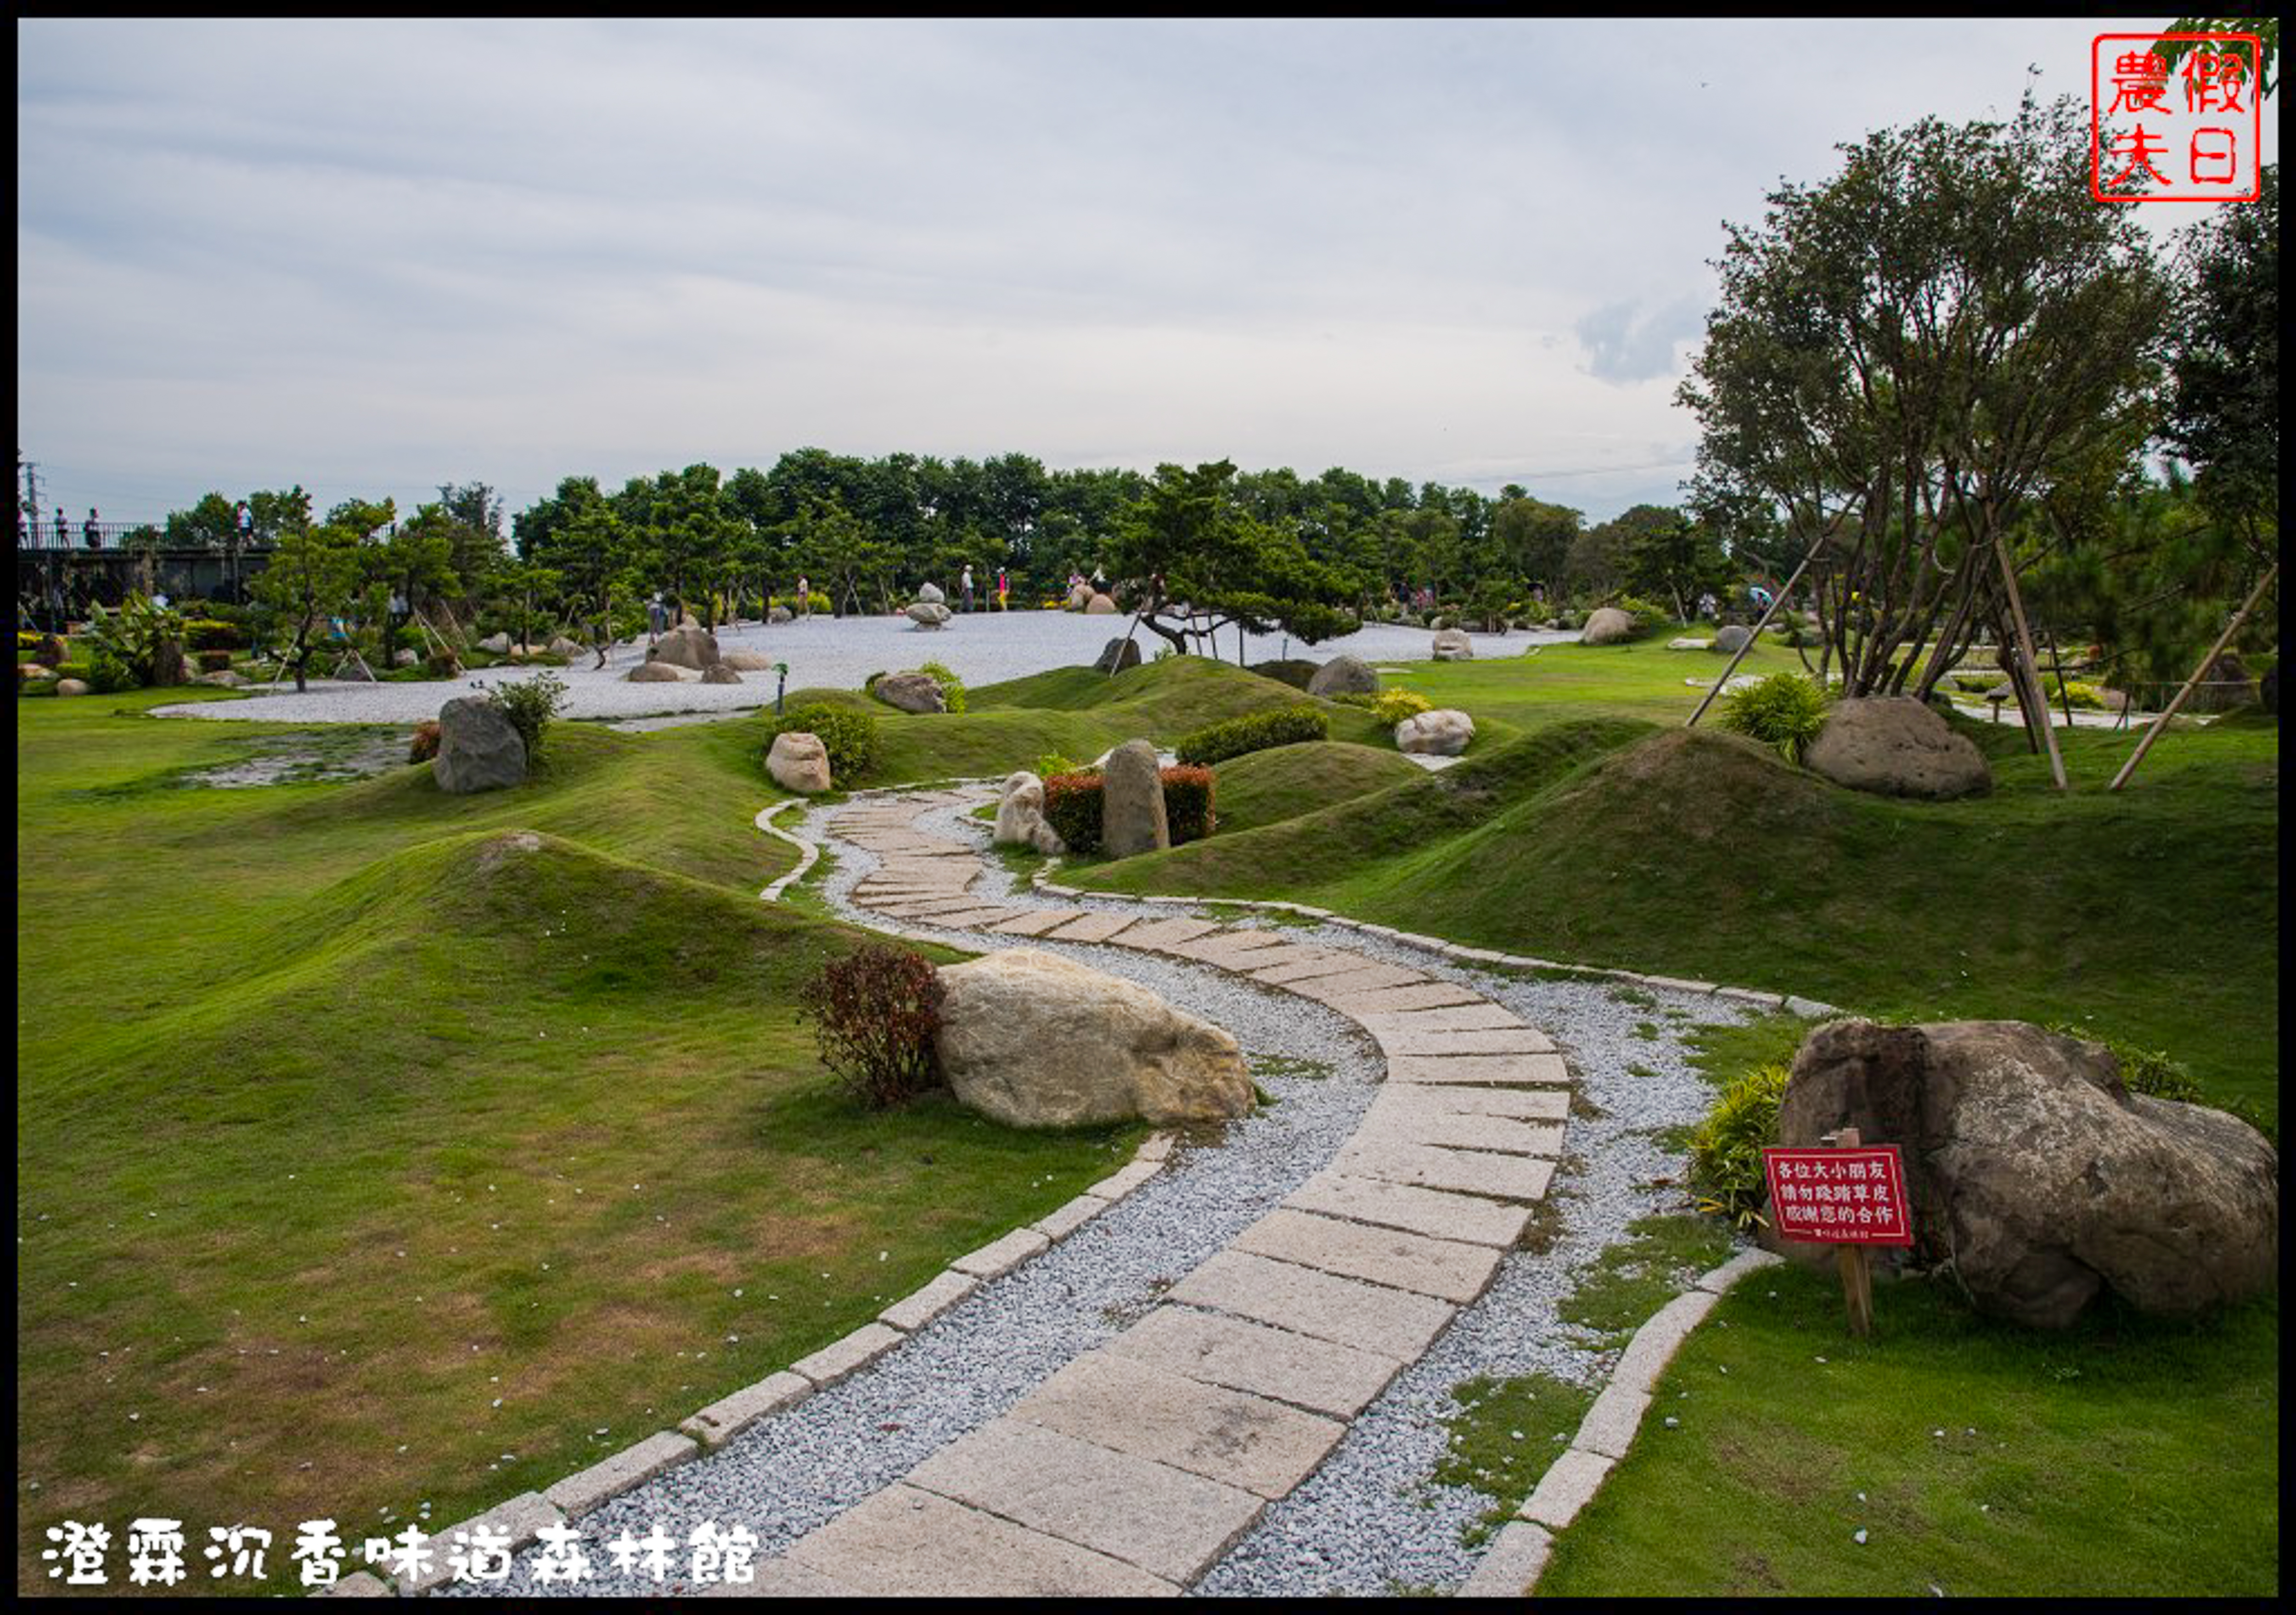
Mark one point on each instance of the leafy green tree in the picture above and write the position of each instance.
(1668, 557)
(1533, 537)
(212, 524)
(476, 544)
(2224, 407)
(1907, 357)
(312, 577)
(1196, 563)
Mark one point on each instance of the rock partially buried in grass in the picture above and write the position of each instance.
(478, 749)
(1344, 676)
(2038, 1175)
(1894, 745)
(71, 687)
(799, 761)
(911, 692)
(1020, 816)
(1117, 655)
(1607, 626)
(1033, 1040)
(1731, 637)
(1444, 732)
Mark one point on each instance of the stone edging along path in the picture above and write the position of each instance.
(1137, 1466)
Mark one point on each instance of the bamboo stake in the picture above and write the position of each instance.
(2161, 723)
(2032, 661)
(1777, 602)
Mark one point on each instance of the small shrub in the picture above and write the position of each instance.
(952, 688)
(1392, 706)
(215, 661)
(108, 671)
(1784, 710)
(850, 738)
(874, 1014)
(424, 746)
(442, 663)
(1187, 802)
(1257, 732)
(1725, 1150)
(206, 633)
(530, 704)
(1056, 762)
(1363, 699)
(1647, 614)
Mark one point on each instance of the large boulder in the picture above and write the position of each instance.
(1441, 733)
(799, 761)
(478, 749)
(2225, 687)
(1117, 655)
(927, 613)
(560, 646)
(1079, 597)
(651, 673)
(778, 615)
(931, 593)
(691, 647)
(718, 673)
(71, 687)
(1100, 606)
(1344, 676)
(1034, 1040)
(1895, 745)
(1132, 802)
(495, 644)
(1452, 645)
(2038, 1175)
(746, 662)
(911, 692)
(1607, 625)
(1731, 637)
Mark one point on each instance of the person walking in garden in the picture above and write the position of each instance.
(1004, 588)
(804, 597)
(657, 617)
(965, 583)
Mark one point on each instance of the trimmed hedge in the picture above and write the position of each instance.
(1255, 733)
(1073, 806)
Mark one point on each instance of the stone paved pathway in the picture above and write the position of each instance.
(1132, 1470)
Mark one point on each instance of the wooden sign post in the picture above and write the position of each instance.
(1850, 1194)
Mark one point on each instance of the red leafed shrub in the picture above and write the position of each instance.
(1073, 806)
(874, 1013)
(425, 744)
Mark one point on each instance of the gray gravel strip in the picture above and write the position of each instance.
(841, 653)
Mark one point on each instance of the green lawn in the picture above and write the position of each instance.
(359, 1147)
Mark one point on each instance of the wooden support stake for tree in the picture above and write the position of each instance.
(2057, 667)
(1856, 1266)
(1777, 603)
(2161, 723)
(2033, 702)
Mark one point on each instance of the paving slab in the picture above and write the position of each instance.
(1569, 1484)
(1406, 1123)
(1446, 1269)
(1332, 962)
(1036, 922)
(519, 1521)
(1116, 1185)
(780, 1578)
(1465, 1217)
(1512, 1565)
(975, 919)
(1166, 1521)
(358, 1584)
(1057, 1225)
(1457, 1099)
(1322, 1376)
(1426, 996)
(1369, 1317)
(1656, 1341)
(1234, 950)
(1098, 925)
(842, 1358)
(1500, 1069)
(1293, 953)
(928, 1301)
(1338, 991)
(1526, 1039)
(1509, 1177)
(1483, 1016)
(727, 1418)
(1003, 1256)
(905, 1542)
(1239, 1440)
(1610, 1425)
(594, 1488)
(1159, 934)
(916, 907)
(1809, 1009)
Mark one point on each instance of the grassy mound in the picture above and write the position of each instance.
(1282, 782)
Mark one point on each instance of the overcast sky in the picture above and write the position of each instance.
(375, 256)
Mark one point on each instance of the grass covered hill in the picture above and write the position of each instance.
(375, 1146)
(1285, 781)
(2151, 915)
